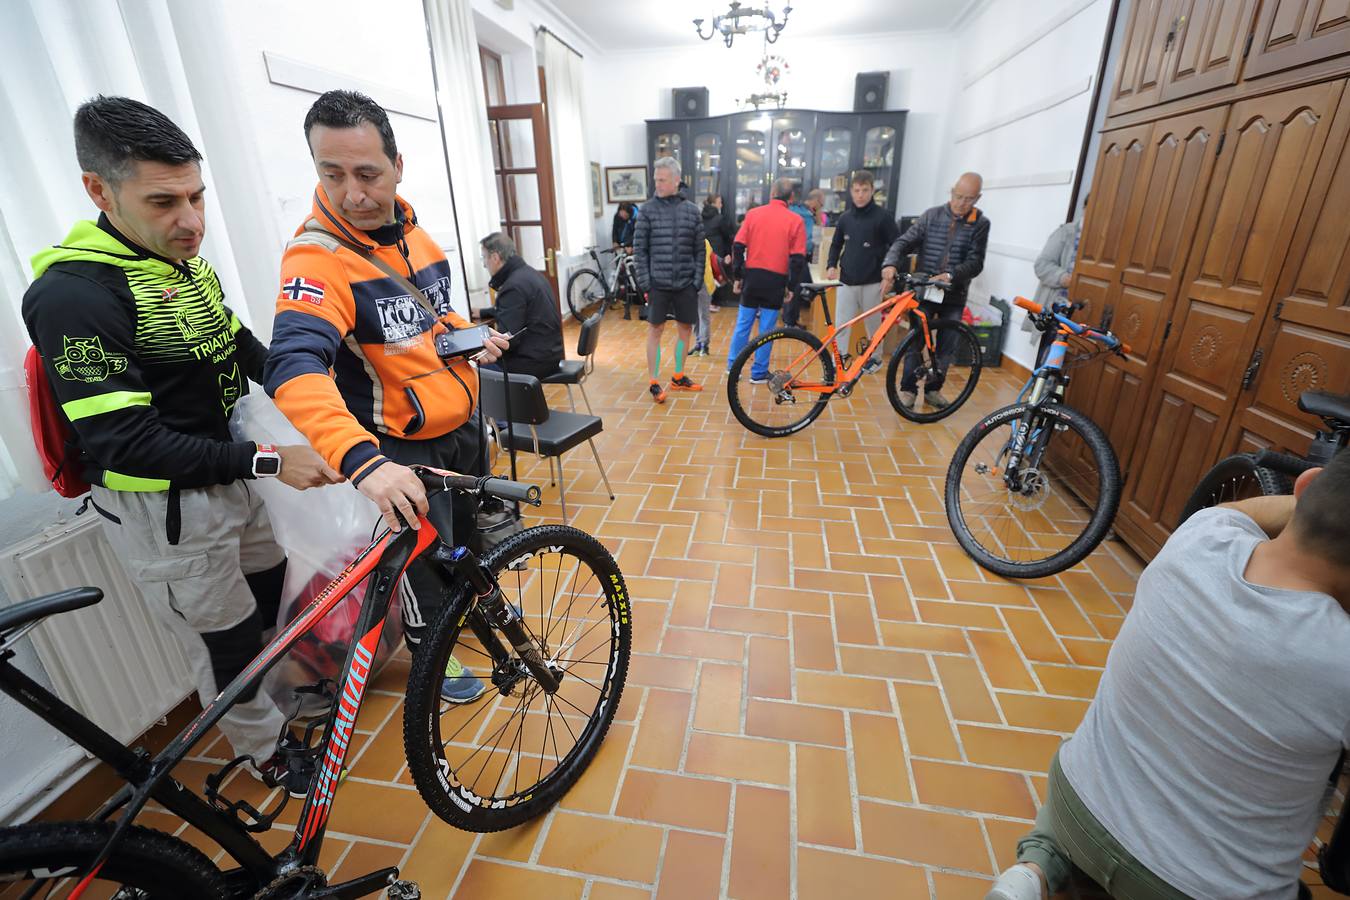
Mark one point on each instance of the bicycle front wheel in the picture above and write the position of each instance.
(1026, 519)
(47, 860)
(780, 382)
(511, 753)
(584, 290)
(1235, 478)
(941, 381)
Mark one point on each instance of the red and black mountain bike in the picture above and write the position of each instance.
(548, 627)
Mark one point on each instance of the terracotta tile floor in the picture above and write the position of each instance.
(826, 696)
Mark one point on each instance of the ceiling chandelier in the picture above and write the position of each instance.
(739, 20)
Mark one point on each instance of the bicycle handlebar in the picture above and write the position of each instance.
(1043, 318)
(502, 488)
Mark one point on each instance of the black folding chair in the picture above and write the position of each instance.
(534, 428)
(576, 371)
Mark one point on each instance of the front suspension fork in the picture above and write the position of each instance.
(492, 611)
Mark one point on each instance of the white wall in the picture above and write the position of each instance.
(1023, 95)
(628, 87)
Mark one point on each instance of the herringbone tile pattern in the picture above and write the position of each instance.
(827, 698)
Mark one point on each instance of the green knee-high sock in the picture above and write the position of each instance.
(656, 366)
(679, 358)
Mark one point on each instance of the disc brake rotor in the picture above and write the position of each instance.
(1034, 493)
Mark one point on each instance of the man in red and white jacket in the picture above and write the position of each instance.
(769, 262)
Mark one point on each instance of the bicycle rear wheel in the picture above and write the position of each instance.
(1037, 525)
(797, 381)
(46, 860)
(585, 289)
(1233, 478)
(954, 340)
(510, 754)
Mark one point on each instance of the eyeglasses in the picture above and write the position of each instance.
(965, 198)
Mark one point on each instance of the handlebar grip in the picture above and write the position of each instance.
(1030, 306)
(1283, 462)
(506, 489)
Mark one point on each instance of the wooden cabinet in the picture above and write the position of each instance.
(1305, 339)
(1208, 38)
(1291, 33)
(738, 156)
(1253, 204)
(1139, 71)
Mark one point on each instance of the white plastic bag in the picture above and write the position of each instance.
(321, 530)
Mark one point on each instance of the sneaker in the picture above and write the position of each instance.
(291, 767)
(698, 351)
(1017, 883)
(459, 686)
(759, 379)
(907, 399)
(871, 365)
(684, 383)
(936, 400)
(713, 307)
(658, 395)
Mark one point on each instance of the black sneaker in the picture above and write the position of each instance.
(871, 365)
(290, 767)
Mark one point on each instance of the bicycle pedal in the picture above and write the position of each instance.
(404, 890)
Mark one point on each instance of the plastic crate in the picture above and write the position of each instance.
(990, 338)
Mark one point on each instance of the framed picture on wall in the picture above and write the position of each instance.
(625, 183)
(597, 196)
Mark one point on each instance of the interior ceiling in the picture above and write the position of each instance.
(644, 24)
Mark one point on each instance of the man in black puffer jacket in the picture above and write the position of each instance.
(669, 253)
(950, 240)
(525, 302)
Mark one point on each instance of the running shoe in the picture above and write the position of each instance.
(684, 383)
(459, 686)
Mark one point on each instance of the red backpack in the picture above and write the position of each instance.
(51, 432)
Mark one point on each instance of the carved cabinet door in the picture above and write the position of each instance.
(1305, 340)
(1206, 52)
(1262, 178)
(1143, 56)
(1293, 33)
(1159, 225)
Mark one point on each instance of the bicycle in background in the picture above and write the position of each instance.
(1013, 484)
(590, 288)
(555, 663)
(791, 375)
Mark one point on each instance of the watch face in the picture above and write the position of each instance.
(266, 465)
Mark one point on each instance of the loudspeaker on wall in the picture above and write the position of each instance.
(869, 91)
(689, 103)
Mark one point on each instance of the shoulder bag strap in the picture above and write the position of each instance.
(315, 233)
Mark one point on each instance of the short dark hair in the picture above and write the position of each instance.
(114, 133)
(1321, 518)
(348, 109)
(499, 244)
(862, 176)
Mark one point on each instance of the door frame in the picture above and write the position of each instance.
(543, 172)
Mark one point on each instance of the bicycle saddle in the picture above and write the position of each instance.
(1326, 405)
(819, 287)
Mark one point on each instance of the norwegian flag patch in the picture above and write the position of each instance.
(299, 288)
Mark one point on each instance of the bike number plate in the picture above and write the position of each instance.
(932, 293)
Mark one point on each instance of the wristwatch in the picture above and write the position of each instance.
(266, 462)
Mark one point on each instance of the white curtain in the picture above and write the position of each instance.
(463, 104)
(564, 83)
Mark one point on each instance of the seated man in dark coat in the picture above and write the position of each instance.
(525, 301)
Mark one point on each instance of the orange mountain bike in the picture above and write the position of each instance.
(792, 376)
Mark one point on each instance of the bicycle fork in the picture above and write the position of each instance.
(493, 611)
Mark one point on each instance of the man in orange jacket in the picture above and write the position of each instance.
(348, 335)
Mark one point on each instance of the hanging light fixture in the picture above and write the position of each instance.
(745, 20)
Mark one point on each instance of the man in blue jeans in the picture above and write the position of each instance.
(769, 262)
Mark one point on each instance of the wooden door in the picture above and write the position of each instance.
(1206, 52)
(1305, 342)
(522, 160)
(1160, 221)
(1258, 189)
(1143, 50)
(1293, 33)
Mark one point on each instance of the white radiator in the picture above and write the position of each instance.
(111, 661)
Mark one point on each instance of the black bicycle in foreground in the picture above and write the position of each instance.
(549, 628)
